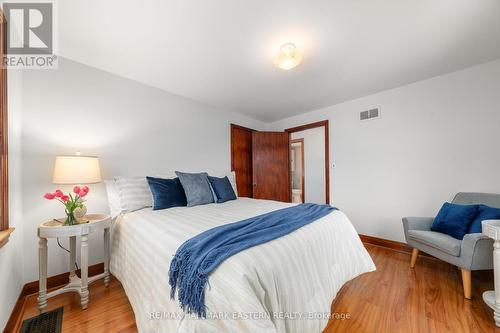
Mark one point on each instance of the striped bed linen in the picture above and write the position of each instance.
(134, 193)
(273, 287)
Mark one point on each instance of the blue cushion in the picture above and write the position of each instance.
(484, 213)
(167, 193)
(454, 220)
(222, 188)
(197, 188)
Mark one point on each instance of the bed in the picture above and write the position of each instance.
(285, 285)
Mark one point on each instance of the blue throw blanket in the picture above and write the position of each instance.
(199, 256)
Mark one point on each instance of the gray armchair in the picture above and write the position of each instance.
(474, 252)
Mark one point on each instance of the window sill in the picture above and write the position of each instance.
(4, 236)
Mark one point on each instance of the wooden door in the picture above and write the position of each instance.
(271, 165)
(241, 158)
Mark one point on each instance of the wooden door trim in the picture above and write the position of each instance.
(322, 123)
(242, 127)
(307, 126)
(4, 145)
(303, 166)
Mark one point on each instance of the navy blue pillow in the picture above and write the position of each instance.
(167, 193)
(222, 188)
(454, 220)
(484, 213)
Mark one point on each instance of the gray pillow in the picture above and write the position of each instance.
(197, 188)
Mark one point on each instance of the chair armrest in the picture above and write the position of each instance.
(472, 239)
(417, 223)
(477, 249)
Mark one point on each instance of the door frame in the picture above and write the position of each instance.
(301, 141)
(322, 123)
(4, 145)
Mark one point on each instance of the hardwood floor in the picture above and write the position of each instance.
(108, 311)
(395, 298)
(428, 298)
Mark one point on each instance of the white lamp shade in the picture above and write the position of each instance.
(76, 170)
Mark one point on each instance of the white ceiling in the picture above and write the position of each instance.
(221, 52)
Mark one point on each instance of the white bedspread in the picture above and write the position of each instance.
(286, 285)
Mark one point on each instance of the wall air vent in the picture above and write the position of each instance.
(369, 114)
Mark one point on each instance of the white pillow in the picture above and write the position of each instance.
(114, 202)
(164, 176)
(134, 193)
(232, 179)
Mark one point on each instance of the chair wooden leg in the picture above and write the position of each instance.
(467, 283)
(414, 255)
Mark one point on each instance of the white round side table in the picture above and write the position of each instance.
(56, 229)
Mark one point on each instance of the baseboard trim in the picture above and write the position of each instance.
(15, 317)
(30, 288)
(390, 244)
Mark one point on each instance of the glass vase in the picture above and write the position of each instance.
(70, 219)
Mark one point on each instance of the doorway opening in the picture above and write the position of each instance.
(263, 166)
(297, 170)
(313, 183)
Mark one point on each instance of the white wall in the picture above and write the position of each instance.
(11, 255)
(314, 164)
(434, 138)
(134, 128)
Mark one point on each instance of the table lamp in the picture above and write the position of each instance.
(74, 170)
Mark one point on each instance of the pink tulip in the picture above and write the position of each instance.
(58, 193)
(49, 196)
(84, 190)
(65, 198)
(76, 189)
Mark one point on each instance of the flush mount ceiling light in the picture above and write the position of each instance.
(288, 56)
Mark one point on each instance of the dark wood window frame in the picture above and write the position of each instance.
(5, 231)
(323, 123)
